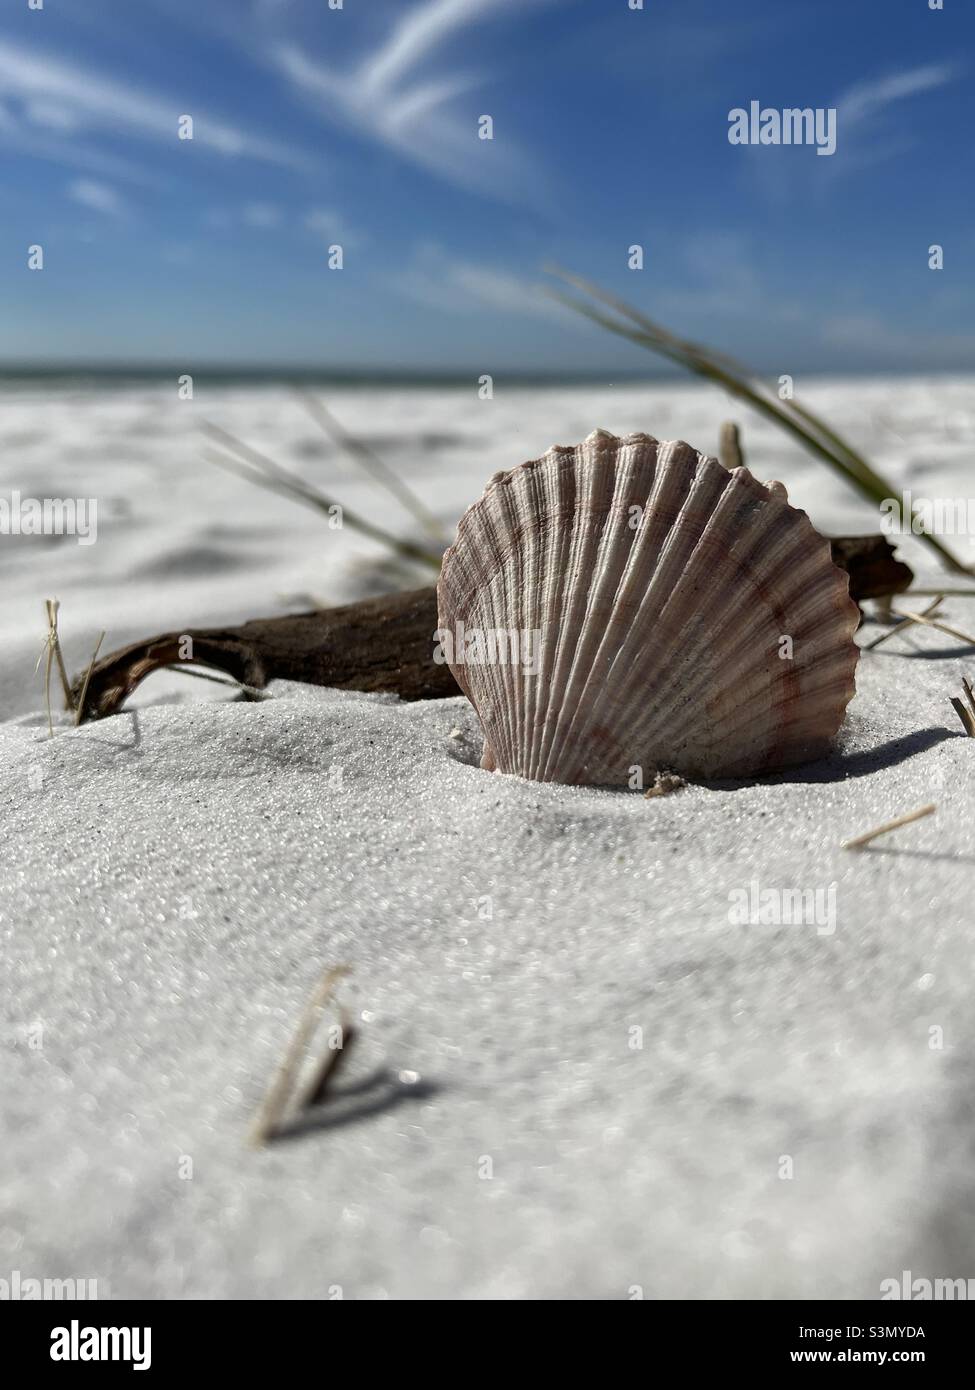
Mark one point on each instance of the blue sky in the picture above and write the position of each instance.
(358, 126)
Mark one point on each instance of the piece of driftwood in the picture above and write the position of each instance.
(873, 568)
(380, 644)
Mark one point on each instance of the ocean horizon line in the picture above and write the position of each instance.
(285, 375)
(111, 373)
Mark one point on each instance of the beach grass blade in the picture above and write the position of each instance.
(812, 432)
(369, 460)
(248, 463)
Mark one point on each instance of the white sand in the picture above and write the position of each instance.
(174, 881)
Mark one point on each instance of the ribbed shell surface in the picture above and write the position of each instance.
(683, 617)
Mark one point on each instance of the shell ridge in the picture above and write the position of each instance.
(669, 492)
(634, 479)
(710, 588)
(589, 524)
(688, 497)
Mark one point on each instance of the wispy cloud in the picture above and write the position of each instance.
(869, 98)
(421, 33)
(721, 268)
(879, 339)
(78, 154)
(396, 96)
(50, 115)
(868, 134)
(439, 281)
(331, 226)
(60, 96)
(719, 275)
(99, 197)
(262, 216)
(323, 220)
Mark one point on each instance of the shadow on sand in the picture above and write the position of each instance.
(380, 1091)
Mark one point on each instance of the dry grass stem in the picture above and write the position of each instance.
(941, 627)
(369, 460)
(275, 1103)
(965, 715)
(906, 619)
(945, 593)
(965, 712)
(812, 432)
(251, 691)
(53, 608)
(262, 471)
(969, 694)
(84, 688)
(862, 840)
(51, 650)
(324, 1074)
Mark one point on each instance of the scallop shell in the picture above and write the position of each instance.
(626, 603)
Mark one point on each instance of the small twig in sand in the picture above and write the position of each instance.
(275, 1103)
(53, 607)
(46, 651)
(729, 446)
(939, 627)
(944, 593)
(52, 650)
(329, 1065)
(969, 693)
(84, 688)
(966, 713)
(862, 840)
(905, 620)
(251, 691)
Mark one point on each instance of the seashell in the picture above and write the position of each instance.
(626, 603)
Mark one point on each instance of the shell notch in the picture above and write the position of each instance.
(634, 604)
